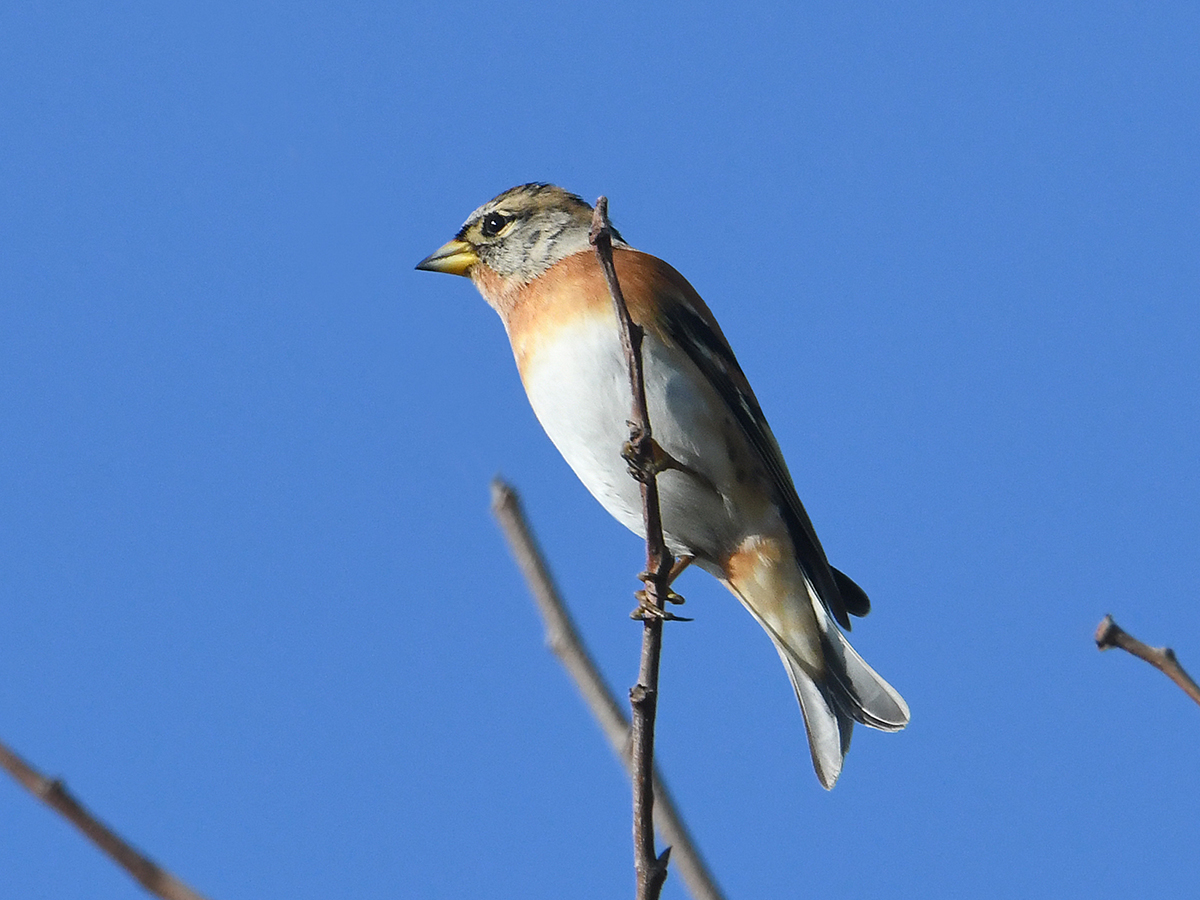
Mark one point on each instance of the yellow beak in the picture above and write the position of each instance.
(453, 258)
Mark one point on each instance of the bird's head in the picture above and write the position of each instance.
(518, 235)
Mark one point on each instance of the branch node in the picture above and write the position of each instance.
(639, 694)
(657, 875)
(52, 789)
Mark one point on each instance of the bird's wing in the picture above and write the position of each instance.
(685, 319)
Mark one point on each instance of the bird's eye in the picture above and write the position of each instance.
(493, 224)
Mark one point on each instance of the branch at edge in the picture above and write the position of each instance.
(54, 794)
(1109, 634)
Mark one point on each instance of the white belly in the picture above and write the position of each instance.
(579, 388)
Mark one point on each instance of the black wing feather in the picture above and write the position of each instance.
(715, 360)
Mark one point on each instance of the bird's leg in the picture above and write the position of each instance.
(647, 610)
(647, 459)
(677, 568)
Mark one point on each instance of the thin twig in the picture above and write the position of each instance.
(1109, 634)
(651, 869)
(53, 793)
(565, 642)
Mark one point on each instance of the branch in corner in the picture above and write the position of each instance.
(53, 793)
(1109, 634)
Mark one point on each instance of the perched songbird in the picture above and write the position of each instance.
(728, 502)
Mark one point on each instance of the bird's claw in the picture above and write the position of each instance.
(672, 597)
(645, 458)
(640, 463)
(649, 610)
(645, 463)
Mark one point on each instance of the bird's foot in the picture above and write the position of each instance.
(672, 597)
(647, 609)
(646, 459)
(677, 569)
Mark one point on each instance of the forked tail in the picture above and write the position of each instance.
(834, 685)
(848, 691)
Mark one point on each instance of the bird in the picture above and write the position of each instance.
(728, 503)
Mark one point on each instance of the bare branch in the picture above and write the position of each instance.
(1109, 634)
(564, 640)
(651, 869)
(54, 794)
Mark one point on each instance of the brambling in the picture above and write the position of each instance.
(728, 502)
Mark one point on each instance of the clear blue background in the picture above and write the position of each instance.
(252, 604)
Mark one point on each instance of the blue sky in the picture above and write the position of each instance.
(255, 610)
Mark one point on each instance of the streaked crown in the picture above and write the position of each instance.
(529, 228)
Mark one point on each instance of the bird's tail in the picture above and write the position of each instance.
(834, 685)
(848, 691)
